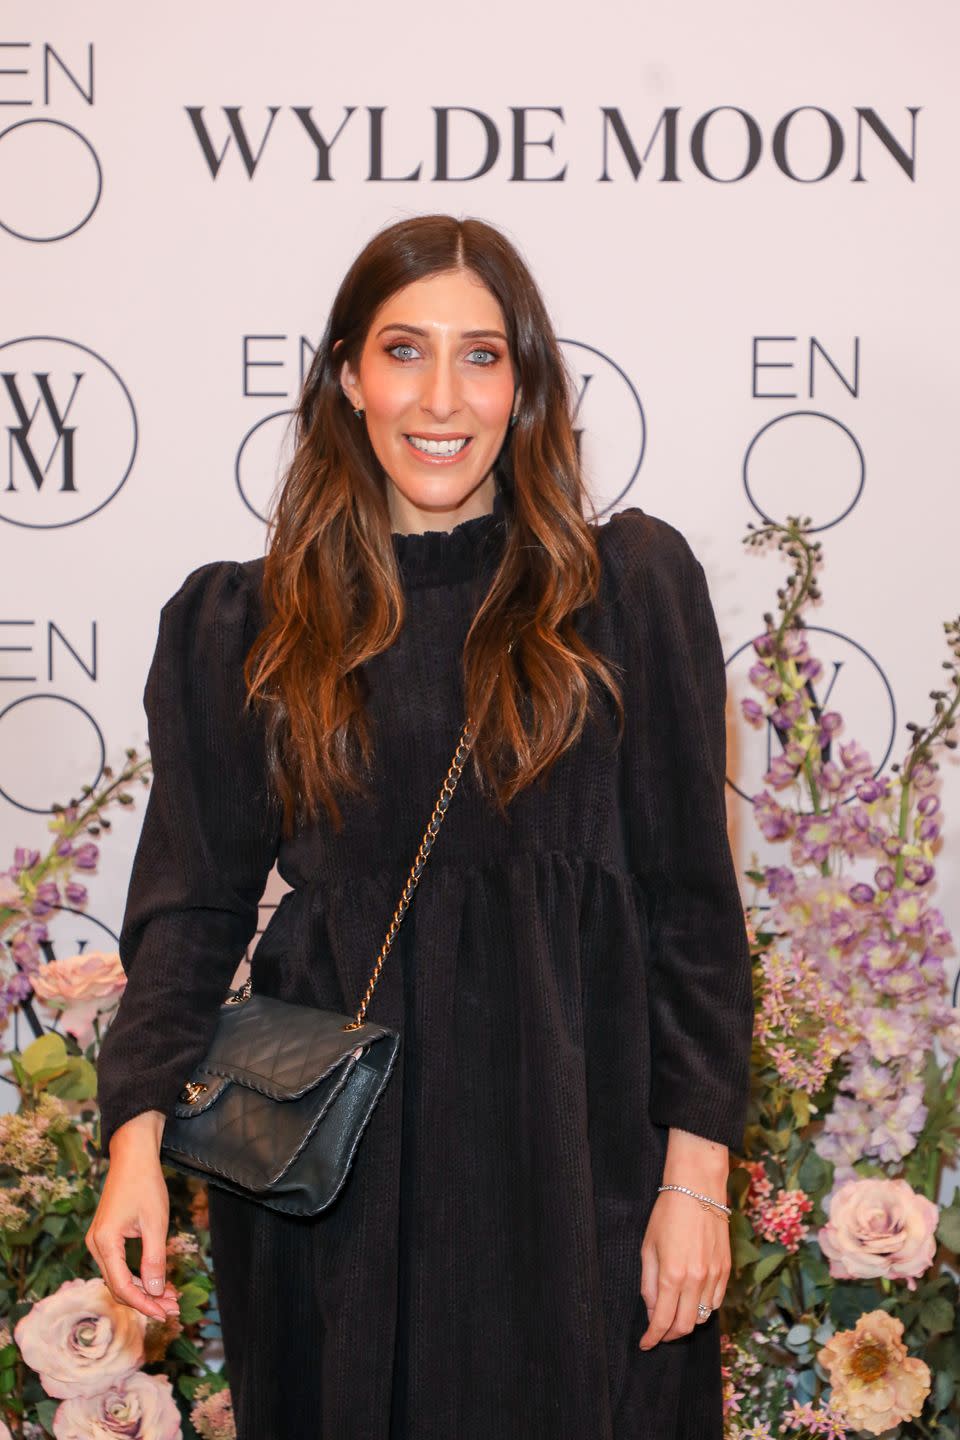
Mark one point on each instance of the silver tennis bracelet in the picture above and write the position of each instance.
(704, 1199)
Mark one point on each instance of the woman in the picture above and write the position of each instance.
(572, 982)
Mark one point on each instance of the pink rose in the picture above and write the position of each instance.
(80, 1340)
(879, 1228)
(78, 986)
(140, 1407)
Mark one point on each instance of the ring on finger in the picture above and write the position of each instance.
(703, 1313)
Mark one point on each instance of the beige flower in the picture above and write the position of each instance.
(79, 1340)
(879, 1227)
(80, 986)
(199, 1208)
(140, 1407)
(159, 1335)
(876, 1384)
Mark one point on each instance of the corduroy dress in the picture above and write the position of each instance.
(568, 983)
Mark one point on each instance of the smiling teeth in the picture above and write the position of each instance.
(437, 447)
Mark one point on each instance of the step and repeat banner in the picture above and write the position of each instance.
(744, 224)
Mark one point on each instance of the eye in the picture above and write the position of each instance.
(482, 350)
(402, 345)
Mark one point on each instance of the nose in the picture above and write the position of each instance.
(441, 389)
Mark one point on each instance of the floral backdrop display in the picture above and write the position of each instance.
(842, 1315)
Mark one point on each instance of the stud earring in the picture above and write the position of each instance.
(358, 413)
(513, 418)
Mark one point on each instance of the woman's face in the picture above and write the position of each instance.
(436, 384)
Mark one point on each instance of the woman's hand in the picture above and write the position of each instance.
(685, 1256)
(135, 1202)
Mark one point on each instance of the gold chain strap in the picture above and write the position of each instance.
(413, 879)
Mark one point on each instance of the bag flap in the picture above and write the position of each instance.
(281, 1049)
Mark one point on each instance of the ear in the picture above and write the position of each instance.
(350, 384)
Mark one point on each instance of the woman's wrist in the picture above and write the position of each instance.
(695, 1161)
(142, 1131)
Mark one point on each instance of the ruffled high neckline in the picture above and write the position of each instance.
(443, 557)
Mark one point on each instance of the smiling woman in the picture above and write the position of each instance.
(572, 983)
(438, 396)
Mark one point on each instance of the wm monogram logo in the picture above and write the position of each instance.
(68, 432)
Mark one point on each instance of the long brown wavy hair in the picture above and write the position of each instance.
(331, 586)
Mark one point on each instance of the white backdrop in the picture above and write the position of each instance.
(744, 222)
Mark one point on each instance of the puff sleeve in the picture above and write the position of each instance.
(700, 987)
(208, 841)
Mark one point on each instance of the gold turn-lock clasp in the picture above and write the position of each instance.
(192, 1091)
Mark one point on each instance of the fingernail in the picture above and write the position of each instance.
(155, 1286)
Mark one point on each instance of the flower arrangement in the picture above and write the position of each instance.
(74, 1363)
(842, 1313)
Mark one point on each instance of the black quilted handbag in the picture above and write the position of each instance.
(276, 1108)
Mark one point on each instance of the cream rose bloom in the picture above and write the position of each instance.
(80, 1340)
(875, 1383)
(79, 987)
(879, 1228)
(140, 1407)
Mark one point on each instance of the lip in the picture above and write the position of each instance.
(432, 435)
(439, 459)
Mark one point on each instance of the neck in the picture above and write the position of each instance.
(407, 518)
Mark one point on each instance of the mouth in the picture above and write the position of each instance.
(438, 450)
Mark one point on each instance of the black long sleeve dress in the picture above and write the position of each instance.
(568, 984)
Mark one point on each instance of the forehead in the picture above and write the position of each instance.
(451, 301)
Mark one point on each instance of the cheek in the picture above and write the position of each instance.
(387, 392)
(491, 400)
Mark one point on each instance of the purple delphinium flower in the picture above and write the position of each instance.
(85, 856)
(46, 898)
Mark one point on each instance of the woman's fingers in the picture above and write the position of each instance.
(153, 1258)
(134, 1203)
(109, 1251)
(687, 1301)
(682, 1266)
(662, 1313)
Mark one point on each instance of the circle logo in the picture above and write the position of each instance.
(69, 432)
(45, 742)
(609, 423)
(50, 180)
(847, 668)
(263, 459)
(804, 463)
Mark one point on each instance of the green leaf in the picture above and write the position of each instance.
(78, 1082)
(73, 1151)
(937, 1315)
(744, 1251)
(766, 1265)
(184, 1349)
(46, 1053)
(849, 1302)
(948, 1230)
(944, 1389)
(46, 1409)
(797, 1336)
(814, 1174)
(800, 1105)
(193, 1294)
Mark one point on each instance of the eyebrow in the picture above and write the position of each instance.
(467, 334)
